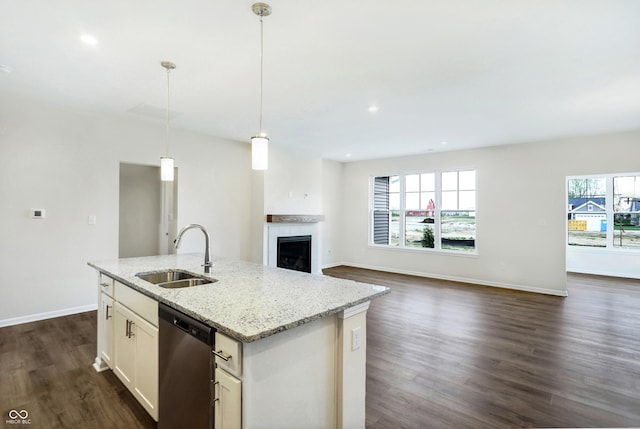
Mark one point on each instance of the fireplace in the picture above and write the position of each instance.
(293, 227)
(294, 253)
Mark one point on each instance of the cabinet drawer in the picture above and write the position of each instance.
(106, 284)
(144, 306)
(232, 351)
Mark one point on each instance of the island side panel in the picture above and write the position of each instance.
(352, 367)
(290, 378)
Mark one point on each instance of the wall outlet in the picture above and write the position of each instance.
(356, 339)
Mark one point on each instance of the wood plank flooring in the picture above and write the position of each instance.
(439, 355)
(45, 369)
(447, 355)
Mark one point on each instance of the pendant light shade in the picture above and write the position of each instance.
(260, 143)
(166, 169)
(166, 162)
(259, 153)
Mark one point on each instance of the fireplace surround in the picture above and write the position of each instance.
(288, 228)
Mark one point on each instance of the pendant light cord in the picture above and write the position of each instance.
(261, 72)
(168, 92)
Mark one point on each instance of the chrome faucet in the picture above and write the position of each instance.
(207, 259)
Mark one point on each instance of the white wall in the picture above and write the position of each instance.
(293, 183)
(330, 229)
(521, 209)
(67, 162)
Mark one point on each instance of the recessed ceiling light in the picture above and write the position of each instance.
(5, 69)
(347, 155)
(373, 109)
(89, 40)
(444, 143)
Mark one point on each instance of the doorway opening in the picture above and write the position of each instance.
(147, 213)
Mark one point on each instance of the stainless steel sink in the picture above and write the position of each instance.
(174, 279)
(185, 283)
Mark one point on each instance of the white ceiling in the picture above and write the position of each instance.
(467, 72)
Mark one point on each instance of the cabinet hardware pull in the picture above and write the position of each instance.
(221, 355)
(107, 312)
(216, 397)
(126, 329)
(104, 284)
(131, 325)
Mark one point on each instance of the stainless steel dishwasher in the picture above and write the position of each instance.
(186, 371)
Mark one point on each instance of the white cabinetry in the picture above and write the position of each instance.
(125, 347)
(106, 313)
(228, 401)
(104, 359)
(227, 388)
(135, 357)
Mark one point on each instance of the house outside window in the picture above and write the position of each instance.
(604, 211)
(432, 210)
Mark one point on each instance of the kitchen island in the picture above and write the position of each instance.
(301, 338)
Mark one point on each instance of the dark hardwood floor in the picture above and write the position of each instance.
(45, 369)
(447, 355)
(439, 355)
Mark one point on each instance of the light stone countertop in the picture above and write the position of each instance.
(248, 301)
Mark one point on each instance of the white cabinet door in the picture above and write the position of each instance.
(136, 357)
(146, 365)
(228, 401)
(124, 346)
(107, 316)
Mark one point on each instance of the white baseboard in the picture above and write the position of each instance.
(598, 272)
(332, 265)
(47, 315)
(523, 288)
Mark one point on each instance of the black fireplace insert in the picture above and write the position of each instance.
(294, 253)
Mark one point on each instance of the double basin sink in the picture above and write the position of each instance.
(173, 279)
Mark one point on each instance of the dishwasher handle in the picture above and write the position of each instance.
(187, 324)
(178, 322)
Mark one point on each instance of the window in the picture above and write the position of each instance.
(626, 194)
(425, 210)
(587, 211)
(458, 216)
(419, 212)
(604, 211)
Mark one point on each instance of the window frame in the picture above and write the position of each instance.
(609, 212)
(437, 225)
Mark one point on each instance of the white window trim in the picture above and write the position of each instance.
(437, 249)
(608, 210)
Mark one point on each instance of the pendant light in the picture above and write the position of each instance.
(166, 162)
(260, 143)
